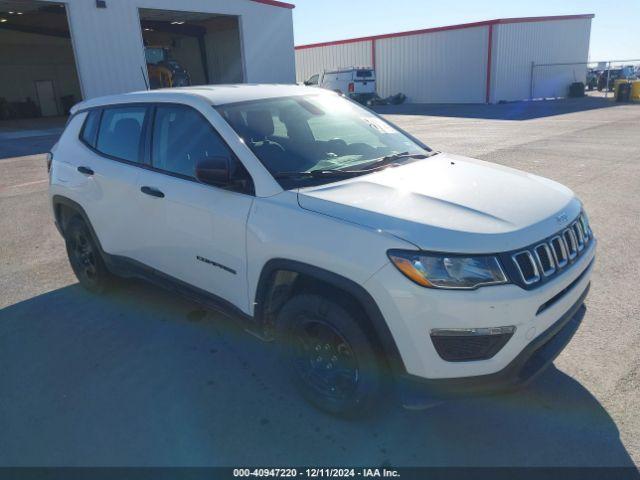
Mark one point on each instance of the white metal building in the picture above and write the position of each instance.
(78, 49)
(482, 62)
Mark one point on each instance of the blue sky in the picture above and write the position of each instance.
(615, 32)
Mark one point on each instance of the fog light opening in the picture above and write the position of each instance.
(469, 344)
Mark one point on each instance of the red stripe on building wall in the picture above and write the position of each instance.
(544, 19)
(446, 28)
(373, 54)
(489, 54)
(275, 3)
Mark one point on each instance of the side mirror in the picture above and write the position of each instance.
(213, 171)
(307, 82)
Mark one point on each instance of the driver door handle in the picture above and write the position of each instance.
(85, 170)
(154, 192)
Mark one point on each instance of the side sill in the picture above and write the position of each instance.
(127, 267)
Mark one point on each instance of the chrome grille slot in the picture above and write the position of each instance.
(559, 250)
(571, 243)
(577, 229)
(545, 259)
(527, 267)
(585, 227)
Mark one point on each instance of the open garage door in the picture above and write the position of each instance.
(191, 48)
(39, 75)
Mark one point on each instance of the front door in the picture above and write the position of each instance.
(196, 231)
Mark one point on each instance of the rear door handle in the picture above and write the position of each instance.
(154, 192)
(85, 170)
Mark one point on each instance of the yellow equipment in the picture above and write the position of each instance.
(163, 70)
(616, 86)
(159, 76)
(635, 91)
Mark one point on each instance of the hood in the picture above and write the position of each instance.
(450, 203)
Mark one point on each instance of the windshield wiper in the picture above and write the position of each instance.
(372, 166)
(388, 159)
(320, 173)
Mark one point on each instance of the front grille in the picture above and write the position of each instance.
(534, 265)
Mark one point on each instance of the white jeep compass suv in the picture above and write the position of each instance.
(372, 260)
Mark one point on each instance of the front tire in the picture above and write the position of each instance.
(328, 356)
(85, 258)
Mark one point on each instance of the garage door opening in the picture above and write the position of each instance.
(191, 48)
(39, 75)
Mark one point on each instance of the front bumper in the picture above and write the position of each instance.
(533, 360)
(412, 312)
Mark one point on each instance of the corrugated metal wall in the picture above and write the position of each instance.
(440, 67)
(516, 45)
(109, 50)
(450, 65)
(314, 60)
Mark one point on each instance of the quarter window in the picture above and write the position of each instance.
(120, 132)
(181, 138)
(90, 128)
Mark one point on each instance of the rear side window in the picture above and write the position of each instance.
(90, 128)
(121, 131)
(182, 137)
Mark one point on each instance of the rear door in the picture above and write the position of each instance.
(194, 232)
(364, 80)
(109, 166)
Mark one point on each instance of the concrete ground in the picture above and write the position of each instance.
(139, 377)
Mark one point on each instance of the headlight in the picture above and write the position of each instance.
(436, 270)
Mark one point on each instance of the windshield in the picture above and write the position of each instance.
(314, 139)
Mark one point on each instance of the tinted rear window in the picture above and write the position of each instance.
(90, 128)
(364, 73)
(120, 132)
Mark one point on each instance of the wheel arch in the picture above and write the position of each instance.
(363, 299)
(64, 209)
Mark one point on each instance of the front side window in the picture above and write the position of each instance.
(317, 138)
(181, 138)
(120, 132)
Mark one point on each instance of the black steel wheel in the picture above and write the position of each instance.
(328, 356)
(324, 359)
(84, 257)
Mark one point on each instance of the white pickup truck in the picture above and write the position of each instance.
(372, 260)
(358, 83)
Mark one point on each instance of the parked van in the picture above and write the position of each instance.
(358, 83)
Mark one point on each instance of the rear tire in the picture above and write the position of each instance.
(85, 258)
(328, 356)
